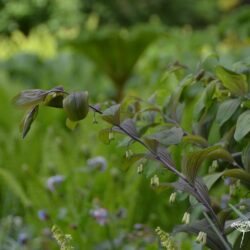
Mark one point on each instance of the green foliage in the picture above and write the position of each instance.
(164, 131)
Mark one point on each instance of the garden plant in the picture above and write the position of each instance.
(199, 134)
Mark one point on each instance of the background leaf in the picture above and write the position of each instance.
(242, 125)
(226, 110)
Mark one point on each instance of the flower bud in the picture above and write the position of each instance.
(155, 181)
(76, 105)
(140, 168)
(172, 197)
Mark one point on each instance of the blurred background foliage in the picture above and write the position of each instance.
(112, 49)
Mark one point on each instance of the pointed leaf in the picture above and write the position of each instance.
(242, 125)
(28, 120)
(112, 114)
(246, 157)
(226, 110)
(211, 179)
(234, 82)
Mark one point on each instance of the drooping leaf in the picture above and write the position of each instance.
(234, 82)
(28, 120)
(242, 125)
(195, 139)
(29, 98)
(211, 179)
(226, 110)
(193, 161)
(238, 174)
(245, 157)
(14, 186)
(168, 136)
(112, 114)
(213, 241)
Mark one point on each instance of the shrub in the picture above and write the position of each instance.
(200, 134)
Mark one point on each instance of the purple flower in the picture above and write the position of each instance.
(22, 238)
(54, 181)
(98, 163)
(224, 201)
(101, 215)
(43, 215)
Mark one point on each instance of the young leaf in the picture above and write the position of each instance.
(168, 136)
(242, 125)
(193, 161)
(246, 157)
(226, 110)
(234, 82)
(112, 114)
(28, 120)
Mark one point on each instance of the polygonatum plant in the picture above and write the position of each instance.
(200, 134)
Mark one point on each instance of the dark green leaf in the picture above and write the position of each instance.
(245, 242)
(234, 82)
(195, 139)
(193, 161)
(129, 126)
(226, 110)
(238, 174)
(28, 120)
(242, 125)
(112, 114)
(246, 157)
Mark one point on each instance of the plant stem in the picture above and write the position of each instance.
(172, 168)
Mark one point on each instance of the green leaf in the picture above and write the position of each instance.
(195, 139)
(14, 185)
(112, 114)
(238, 174)
(246, 157)
(28, 120)
(242, 125)
(209, 180)
(226, 110)
(168, 136)
(193, 161)
(29, 98)
(234, 82)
